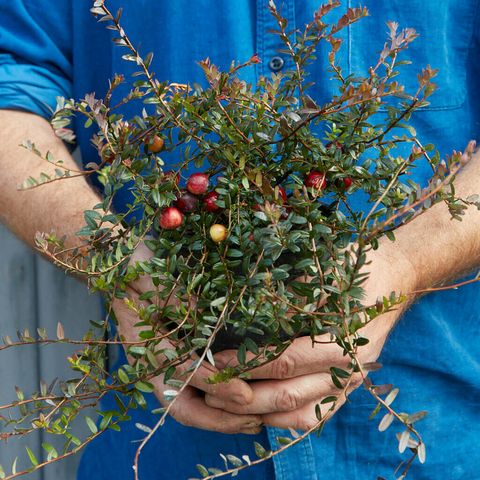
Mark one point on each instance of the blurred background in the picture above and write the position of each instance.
(33, 294)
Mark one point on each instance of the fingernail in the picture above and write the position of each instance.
(253, 424)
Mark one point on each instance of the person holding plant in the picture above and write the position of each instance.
(51, 49)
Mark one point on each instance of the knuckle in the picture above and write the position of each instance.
(287, 400)
(356, 381)
(306, 423)
(283, 367)
(224, 425)
(181, 417)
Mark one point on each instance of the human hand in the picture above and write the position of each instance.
(286, 390)
(189, 407)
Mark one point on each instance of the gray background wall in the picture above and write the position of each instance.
(33, 293)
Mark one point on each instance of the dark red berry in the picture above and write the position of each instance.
(334, 146)
(347, 182)
(187, 202)
(170, 218)
(316, 180)
(197, 183)
(210, 202)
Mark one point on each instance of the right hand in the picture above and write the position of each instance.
(189, 407)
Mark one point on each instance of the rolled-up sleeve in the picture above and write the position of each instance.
(35, 54)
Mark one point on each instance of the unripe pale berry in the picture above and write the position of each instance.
(155, 144)
(218, 232)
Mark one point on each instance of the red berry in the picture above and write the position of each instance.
(171, 218)
(210, 202)
(347, 182)
(334, 145)
(257, 207)
(172, 176)
(197, 183)
(316, 180)
(187, 202)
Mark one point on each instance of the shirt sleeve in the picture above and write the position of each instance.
(35, 54)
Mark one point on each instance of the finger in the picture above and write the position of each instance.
(303, 418)
(237, 390)
(233, 391)
(300, 358)
(189, 409)
(284, 395)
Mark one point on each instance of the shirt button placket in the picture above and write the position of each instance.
(276, 63)
(268, 44)
(296, 462)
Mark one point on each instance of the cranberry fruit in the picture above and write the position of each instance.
(187, 202)
(155, 144)
(197, 183)
(171, 218)
(210, 202)
(218, 232)
(316, 180)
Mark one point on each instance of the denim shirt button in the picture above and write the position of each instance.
(276, 63)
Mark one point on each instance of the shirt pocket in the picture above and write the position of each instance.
(445, 31)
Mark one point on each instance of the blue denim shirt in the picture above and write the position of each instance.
(50, 48)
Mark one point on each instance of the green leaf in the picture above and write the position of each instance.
(284, 440)
(202, 470)
(242, 354)
(136, 350)
(50, 449)
(145, 387)
(123, 376)
(32, 457)
(91, 425)
(235, 461)
(260, 452)
(329, 399)
(340, 373)
(375, 411)
(218, 301)
(107, 417)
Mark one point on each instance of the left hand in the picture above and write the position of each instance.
(286, 390)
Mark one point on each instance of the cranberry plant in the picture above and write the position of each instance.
(262, 244)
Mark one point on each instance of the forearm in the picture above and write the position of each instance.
(439, 248)
(56, 207)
